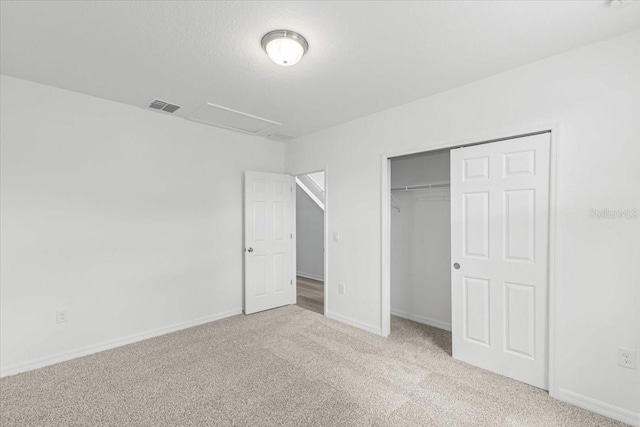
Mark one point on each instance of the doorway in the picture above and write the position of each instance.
(310, 208)
(495, 246)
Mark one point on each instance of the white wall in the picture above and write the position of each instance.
(421, 241)
(424, 168)
(309, 236)
(129, 219)
(594, 94)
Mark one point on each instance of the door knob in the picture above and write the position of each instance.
(250, 250)
(456, 266)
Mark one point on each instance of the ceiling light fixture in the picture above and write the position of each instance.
(284, 47)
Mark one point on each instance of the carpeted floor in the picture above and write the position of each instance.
(287, 366)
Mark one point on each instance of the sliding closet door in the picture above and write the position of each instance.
(499, 251)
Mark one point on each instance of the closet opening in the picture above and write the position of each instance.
(310, 202)
(468, 244)
(420, 250)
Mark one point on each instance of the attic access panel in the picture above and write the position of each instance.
(219, 116)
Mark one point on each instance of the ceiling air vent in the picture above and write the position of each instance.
(216, 115)
(156, 104)
(278, 136)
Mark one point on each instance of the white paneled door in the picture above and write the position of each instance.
(499, 251)
(269, 279)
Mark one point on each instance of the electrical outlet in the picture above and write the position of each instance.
(61, 316)
(341, 288)
(627, 358)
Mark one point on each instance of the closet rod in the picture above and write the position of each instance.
(421, 186)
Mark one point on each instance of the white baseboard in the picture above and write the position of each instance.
(41, 362)
(602, 408)
(310, 276)
(421, 319)
(355, 323)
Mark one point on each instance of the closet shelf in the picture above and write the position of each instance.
(422, 186)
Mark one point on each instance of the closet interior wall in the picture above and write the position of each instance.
(421, 239)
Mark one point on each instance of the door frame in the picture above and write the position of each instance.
(325, 237)
(553, 261)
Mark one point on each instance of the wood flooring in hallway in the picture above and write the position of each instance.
(310, 294)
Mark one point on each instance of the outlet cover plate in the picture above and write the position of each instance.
(627, 358)
(61, 316)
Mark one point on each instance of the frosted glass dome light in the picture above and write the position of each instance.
(284, 47)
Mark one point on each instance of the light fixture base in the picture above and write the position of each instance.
(279, 54)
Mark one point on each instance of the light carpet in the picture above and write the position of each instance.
(285, 367)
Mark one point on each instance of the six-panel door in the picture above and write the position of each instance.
(499, 219)
(269, 277)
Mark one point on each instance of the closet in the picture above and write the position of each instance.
(421, 238)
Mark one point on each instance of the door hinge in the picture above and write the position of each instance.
(291, 281)
(291, 235)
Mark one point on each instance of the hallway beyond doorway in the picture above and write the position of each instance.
(310, 294)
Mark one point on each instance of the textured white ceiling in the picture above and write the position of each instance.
(363, 57)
